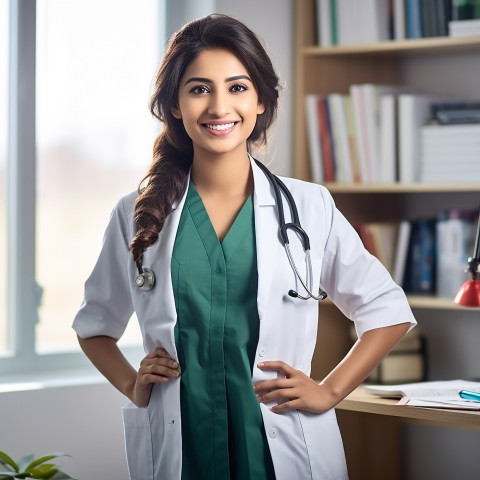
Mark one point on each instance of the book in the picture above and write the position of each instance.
(413, 113)
(356, 93)
(421, 258)
(413, 18)
(388, 139)
(433, 394)
(455, 237)
(456, 113)
(380, 239)
(343, 158)
(324, 23)
(326, 143)
(399, 19)
(464, 28)
(313, 133)
(401, 251)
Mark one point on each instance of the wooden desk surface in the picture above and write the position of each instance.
(359, 401)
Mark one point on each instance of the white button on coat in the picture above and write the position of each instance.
(310, 446)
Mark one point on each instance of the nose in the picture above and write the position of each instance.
(218, 105)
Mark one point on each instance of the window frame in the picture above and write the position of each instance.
(23, 292)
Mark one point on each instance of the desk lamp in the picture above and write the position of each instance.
(469, 293)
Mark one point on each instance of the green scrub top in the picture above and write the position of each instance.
(215, 287)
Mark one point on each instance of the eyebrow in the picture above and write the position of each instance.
(207, 80)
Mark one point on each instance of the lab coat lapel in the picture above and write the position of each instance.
(266, 234)
(161, 257)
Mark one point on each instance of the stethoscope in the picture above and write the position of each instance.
(145, 279)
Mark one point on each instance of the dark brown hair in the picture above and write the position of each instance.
(166, 178)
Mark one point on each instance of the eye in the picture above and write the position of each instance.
(238, 87)
(199, 90)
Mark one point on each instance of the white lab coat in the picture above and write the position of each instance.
(302, 445)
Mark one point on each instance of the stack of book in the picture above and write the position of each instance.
(424, 256)
(464, 28)
(371, 135)
(450, 153)
(465, 18)
(450, 148)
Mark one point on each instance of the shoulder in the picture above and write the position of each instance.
(307, 191)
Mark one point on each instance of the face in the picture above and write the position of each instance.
(217, 103)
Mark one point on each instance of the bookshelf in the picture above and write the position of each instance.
(327, 70)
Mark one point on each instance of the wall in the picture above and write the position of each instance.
(273, 21)
(84, 421)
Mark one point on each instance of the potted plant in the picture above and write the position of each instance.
(29, 467)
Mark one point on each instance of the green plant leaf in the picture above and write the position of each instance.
(44, 459)
(43, 471)
(61, 476)
(6, 476)
(24, 462)
(6, 461)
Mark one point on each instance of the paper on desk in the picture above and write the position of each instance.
(440, 402)
(447, 388)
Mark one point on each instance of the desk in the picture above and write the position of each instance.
(359, 401)
(371, 431)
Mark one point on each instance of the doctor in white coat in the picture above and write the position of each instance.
(216, 93)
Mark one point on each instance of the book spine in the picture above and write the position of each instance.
(325, 140)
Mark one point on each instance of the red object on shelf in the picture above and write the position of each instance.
(469, 293)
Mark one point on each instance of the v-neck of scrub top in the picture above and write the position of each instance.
(215, 287)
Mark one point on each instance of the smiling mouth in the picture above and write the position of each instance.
(219, 127)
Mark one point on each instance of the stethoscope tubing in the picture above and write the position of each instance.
(145, 279)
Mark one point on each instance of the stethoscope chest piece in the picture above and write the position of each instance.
(145, 281)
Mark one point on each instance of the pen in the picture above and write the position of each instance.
(470, 395)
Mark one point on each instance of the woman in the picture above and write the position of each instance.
(224, 390)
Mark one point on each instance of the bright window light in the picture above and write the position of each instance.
(4, 31)
(95, 67)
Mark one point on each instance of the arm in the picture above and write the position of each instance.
(299, 391)
(156, 367)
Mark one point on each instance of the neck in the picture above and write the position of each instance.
(226, 175)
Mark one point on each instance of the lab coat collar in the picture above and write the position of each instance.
(263, 191)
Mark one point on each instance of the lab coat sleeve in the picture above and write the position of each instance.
(107, 304)
(356, 281)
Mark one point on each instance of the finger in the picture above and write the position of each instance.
(163, 361)
(275, 384)
(159, 370)
(159, 352)
(291, 405)
(278, 395)
(277, 365)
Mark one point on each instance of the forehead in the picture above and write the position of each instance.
(215, 64)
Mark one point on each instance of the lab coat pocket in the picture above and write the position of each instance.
(324, 445)
(138, 442)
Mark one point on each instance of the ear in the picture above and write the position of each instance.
(176, 112)
(260, 108)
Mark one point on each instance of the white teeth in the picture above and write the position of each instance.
(224, 126)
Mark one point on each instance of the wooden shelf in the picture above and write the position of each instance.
(436, 45)
(359, 401)
(335, 187)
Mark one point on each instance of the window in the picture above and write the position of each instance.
(94, 67)
(3, 172)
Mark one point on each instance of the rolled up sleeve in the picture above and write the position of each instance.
(356, 281)
(107, 304)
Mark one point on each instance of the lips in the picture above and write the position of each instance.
(219, 128)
